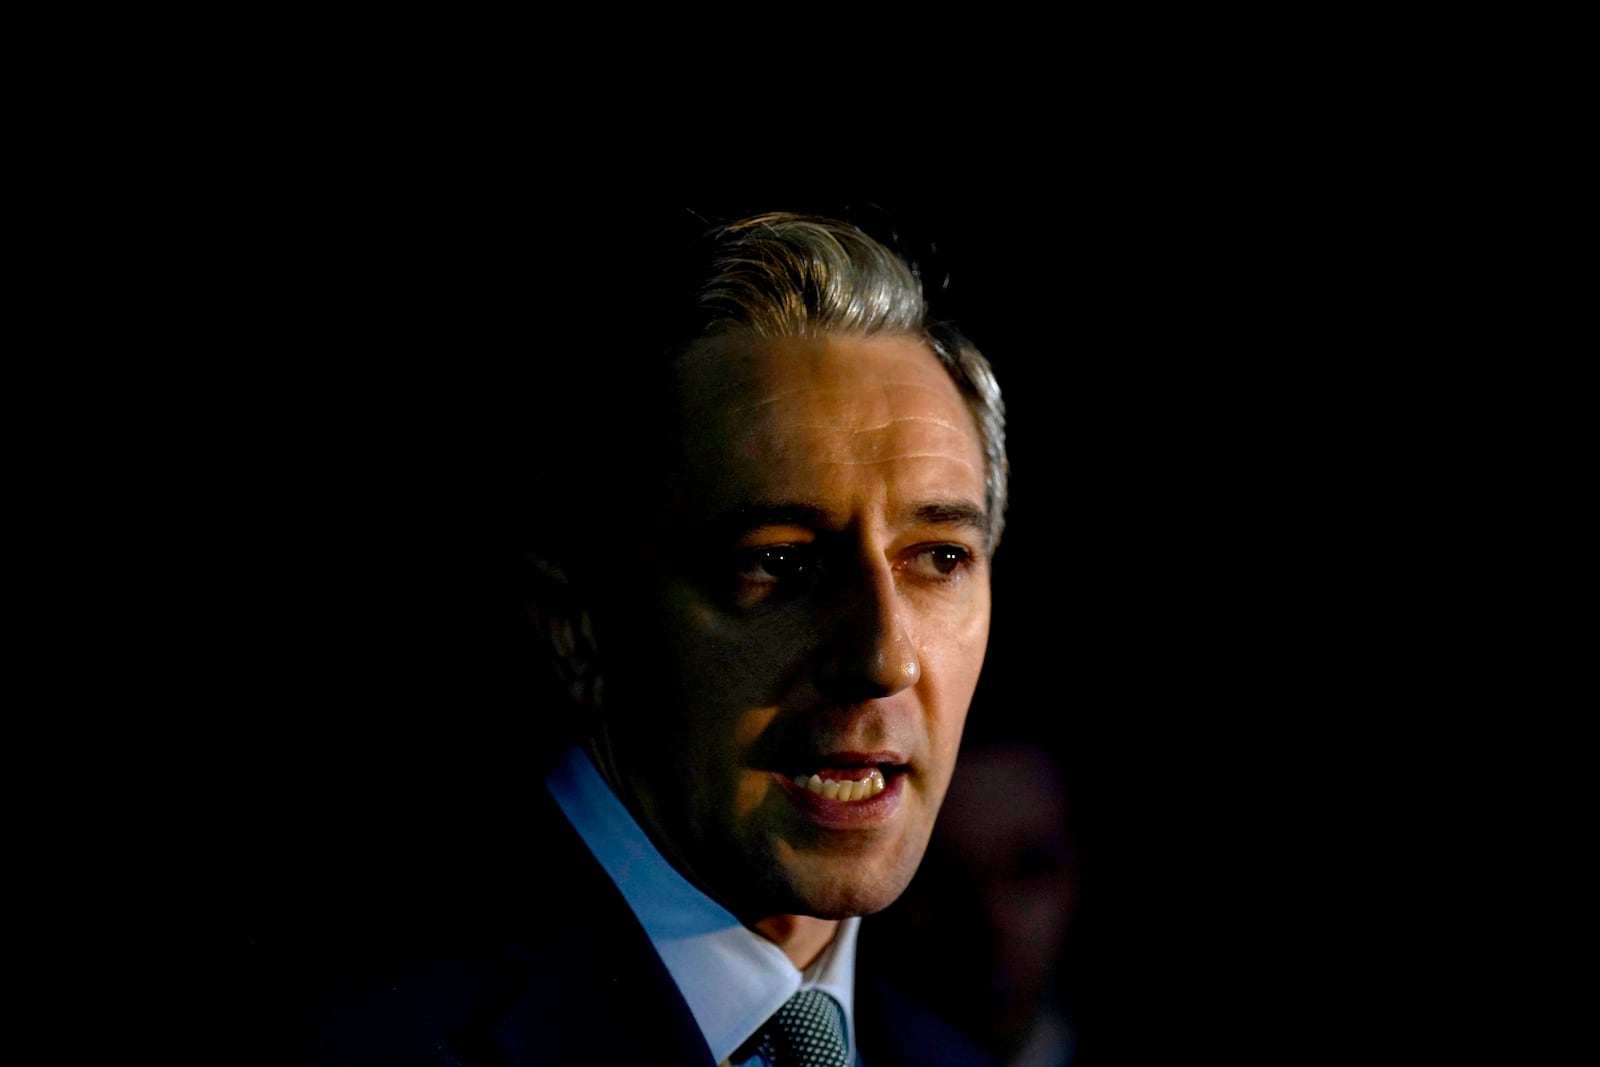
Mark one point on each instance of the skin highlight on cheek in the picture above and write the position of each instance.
(701, 616)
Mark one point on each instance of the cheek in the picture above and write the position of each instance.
(951, 667)
(719, 682)
(733, 664)
(952, 658)
(753, 786)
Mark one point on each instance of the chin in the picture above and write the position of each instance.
(841, 890)
(847, 906)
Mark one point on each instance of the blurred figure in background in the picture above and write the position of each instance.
(982, 932)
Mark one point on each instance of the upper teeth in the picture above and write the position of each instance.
(870, 786)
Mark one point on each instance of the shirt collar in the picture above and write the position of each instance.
(732, 978)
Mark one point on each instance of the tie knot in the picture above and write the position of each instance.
(808, 1031)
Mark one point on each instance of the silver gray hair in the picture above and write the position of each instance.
(785, 275)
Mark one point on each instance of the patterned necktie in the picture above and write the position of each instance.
(808, 1031)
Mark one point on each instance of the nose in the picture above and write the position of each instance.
(865, 652)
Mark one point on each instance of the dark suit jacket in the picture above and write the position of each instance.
(556, 970)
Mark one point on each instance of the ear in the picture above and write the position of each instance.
(562, 623)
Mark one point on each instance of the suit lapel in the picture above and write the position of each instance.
(597, 992)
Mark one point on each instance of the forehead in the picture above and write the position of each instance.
(826, 419)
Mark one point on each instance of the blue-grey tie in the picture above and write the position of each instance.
(808, 1031)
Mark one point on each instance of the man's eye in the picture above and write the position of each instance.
(780, 563)
(940, 562)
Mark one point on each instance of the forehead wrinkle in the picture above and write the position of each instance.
(851, 390)
(942, 423)
(891, 459)
(924, 420)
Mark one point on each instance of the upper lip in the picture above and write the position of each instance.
(844, 760)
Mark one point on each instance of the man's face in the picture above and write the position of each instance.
(811, 599)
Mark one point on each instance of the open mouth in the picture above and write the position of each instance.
(842, 785)
(848, 778)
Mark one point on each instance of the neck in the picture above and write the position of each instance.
(801, 937)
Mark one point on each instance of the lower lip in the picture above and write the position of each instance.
(866, 814)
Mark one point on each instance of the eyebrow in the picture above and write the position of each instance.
(745, 517)
(952, 513)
